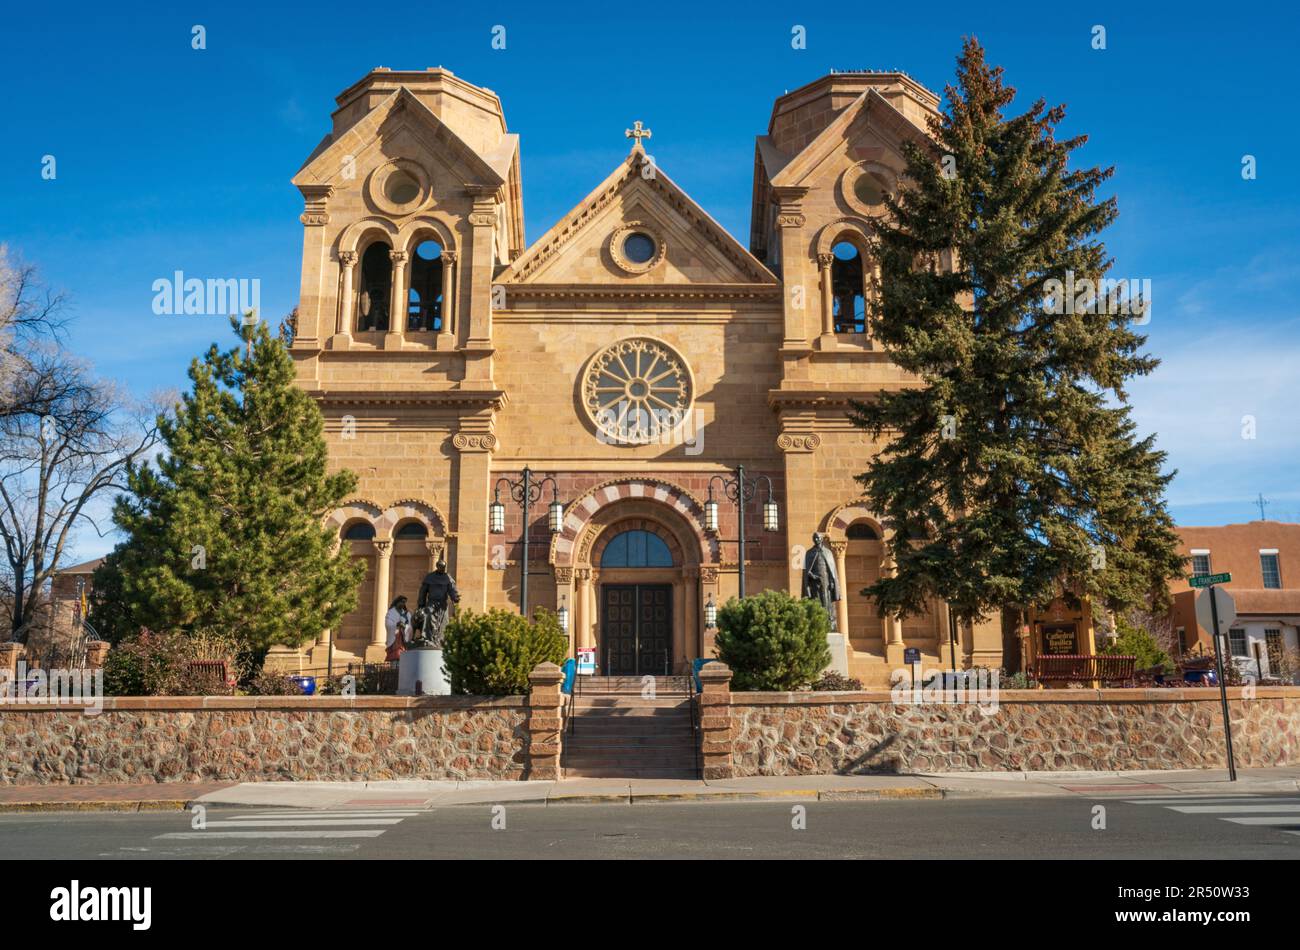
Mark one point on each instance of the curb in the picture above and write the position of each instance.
(104, 806)
(913, 792)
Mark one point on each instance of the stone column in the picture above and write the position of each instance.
(584, 609)
(842, 607)
(473, 493)
(378, 635)
(478, 339)
(545, 723)
(715, 721)
(398, 302)
(791, 226)
(313, 290)
(565, 595)
(347, 266)
(96, 653)
(824, 262)
(10, 654)
(694, 616)
(448, 329)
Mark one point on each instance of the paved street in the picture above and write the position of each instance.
(1184, 826)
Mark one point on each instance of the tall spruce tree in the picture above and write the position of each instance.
(226, 532)
(1013, 471)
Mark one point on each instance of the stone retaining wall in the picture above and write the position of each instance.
(266, 738)
(820, 733)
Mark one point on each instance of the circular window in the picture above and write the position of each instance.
(637, 391)
(865, 187)
(636, 248)
(639, 247)
(401, 188)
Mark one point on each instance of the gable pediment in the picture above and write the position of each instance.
(871, 128)
(403, 125)
(584, 246)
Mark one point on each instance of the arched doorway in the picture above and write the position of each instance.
(636, 604)
(638, 568)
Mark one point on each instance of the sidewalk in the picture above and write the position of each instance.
(415, 794)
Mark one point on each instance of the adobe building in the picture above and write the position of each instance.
(1263, 558)
(633, 358)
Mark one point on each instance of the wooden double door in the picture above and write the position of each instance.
(636, 629)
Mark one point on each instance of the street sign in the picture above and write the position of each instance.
(911, 655)
(1227, 610)
(1208, 580)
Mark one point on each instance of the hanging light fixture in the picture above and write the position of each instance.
(771, 516)
(710, 613)
(563, 613)
(497, 515)
(711, 513)
(557, 515)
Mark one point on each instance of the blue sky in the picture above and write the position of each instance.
(170, 158)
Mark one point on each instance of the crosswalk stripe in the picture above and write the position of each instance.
(1278, 820)
(361, 816)
(1194, 800)
(291, 822)
(1232, 809)
(321, 833)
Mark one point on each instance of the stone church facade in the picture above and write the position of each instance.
(635, 354)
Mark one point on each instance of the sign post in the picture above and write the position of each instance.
(912, 657)
(1215, 598)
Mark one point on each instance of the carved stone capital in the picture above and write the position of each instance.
(564, 575)
(839, 547)
(347, 258)
(790, 220)
(449, 257)
(314, 219)
(474, 441)
(582, 573)
(397, 257)
(825, 260)
(482, 219)
(383, 548)
(798, 441)
(708, 574)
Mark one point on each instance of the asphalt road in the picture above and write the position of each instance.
(1239, 827)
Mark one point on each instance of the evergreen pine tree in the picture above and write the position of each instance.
(226, 531)
(1012, 471)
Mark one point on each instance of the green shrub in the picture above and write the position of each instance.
(1134, 641)
(266, 683)
(492, 654)
(773, 641)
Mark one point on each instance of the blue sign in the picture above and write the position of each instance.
(912, 655)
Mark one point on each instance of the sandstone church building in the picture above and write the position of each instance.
(632, 358)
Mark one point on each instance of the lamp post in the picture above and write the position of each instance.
(740, 492)
(526, 492)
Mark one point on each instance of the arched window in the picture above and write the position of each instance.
(375, 287)
(424, 307)
(861, 531)
(412, 531)
(636, 549)
(848, 283)
(359, 531)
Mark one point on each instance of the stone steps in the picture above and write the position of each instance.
(615, 733)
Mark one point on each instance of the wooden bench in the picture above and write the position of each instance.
(213, 671)
(1083, 668)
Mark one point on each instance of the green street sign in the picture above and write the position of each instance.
(1205, 580)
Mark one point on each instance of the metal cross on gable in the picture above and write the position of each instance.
(637, 132)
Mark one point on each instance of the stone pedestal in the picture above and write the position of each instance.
(839, 644)
(420, 673)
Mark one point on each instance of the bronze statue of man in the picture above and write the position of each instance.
(437, 593)
(820, 581)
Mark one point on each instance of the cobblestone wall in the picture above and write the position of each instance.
(266, 739)
(821, 733)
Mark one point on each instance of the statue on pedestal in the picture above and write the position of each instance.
(820, 581)
(437, 593)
